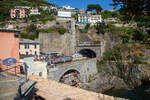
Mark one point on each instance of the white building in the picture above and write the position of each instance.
(31, 67)
(95, 18)
(34, 11)
(29, 47)
(66, 14)
(67, 7)
(87, 18)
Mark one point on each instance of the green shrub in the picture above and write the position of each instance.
(137, 61)
(24, 35)
(57, 23)
(87, 26)
(31, 28)
(125, 38)
(83, 30)
(46, 30)
(139, 35)
(62, 30)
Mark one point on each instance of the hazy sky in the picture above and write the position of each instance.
(82, 4)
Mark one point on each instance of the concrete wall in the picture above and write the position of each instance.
(84, 67)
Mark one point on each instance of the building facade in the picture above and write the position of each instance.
(65, 14)
(9, 43)
(87, 18)
(67, 7)
(34, 11)
(18, 13)
(95, 18)
(29, 47)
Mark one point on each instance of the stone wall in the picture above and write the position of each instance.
(54, 42)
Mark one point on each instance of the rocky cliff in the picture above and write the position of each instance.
(114, 75)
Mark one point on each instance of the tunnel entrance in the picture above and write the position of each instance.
(88, 53)
(71, 77)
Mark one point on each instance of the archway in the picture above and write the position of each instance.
(88, 53)
(71, 77)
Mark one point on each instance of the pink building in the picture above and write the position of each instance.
(9, 44)
(18, 13)
(29, 47)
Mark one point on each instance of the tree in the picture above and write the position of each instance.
(136, 11)
(100, 27)
(96, 7)
(133, 9)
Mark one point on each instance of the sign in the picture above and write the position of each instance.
(9, 61)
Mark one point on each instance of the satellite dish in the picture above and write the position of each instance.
(9, 61)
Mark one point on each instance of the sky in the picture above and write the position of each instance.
(82, 4)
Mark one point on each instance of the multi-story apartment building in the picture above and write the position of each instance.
(19, 12)
(95, 18)
(29, 47)
(87, 18)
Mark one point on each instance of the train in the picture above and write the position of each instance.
(61, 59)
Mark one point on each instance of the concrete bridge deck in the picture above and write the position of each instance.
(51, 90)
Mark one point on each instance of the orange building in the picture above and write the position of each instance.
(9, 47)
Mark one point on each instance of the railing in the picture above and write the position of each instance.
(12, 71)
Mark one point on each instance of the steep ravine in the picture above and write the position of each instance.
(119, 76)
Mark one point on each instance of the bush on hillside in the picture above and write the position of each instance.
(62, 30)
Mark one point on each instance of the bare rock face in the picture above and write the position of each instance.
(113, 76)
(105, 81)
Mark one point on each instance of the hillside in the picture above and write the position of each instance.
(6, 5)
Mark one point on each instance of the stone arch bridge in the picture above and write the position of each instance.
(85, 68)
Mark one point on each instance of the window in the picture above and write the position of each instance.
(35, 46)
(26, 46)
(35, 53)
(26, 53)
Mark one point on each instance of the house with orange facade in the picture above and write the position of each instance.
(9, 44)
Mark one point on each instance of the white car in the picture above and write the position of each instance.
(76, 55)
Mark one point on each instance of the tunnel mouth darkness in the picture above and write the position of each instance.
(87, 53)
(71, 77)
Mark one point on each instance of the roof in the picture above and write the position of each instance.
(28, 41)
(8, 30)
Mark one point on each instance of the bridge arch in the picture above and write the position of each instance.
(70, 77)
(87, 53)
